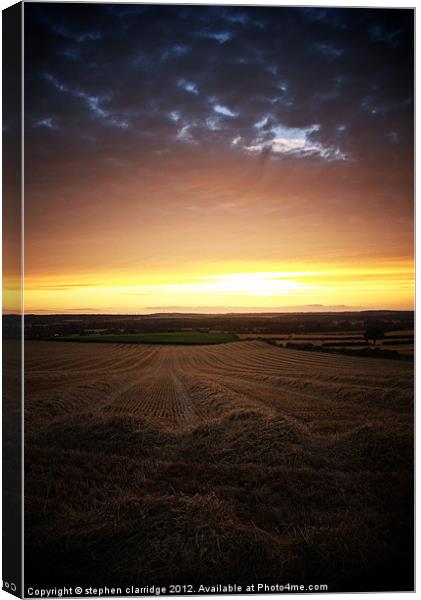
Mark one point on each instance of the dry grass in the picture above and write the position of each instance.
(240, 463)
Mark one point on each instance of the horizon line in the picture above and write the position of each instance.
(192, 312)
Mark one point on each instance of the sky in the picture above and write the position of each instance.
(211, 158)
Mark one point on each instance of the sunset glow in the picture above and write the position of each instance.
(227, 166)
(374, 286)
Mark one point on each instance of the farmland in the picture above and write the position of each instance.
(395, 344)
(172, 337)
(210, 464)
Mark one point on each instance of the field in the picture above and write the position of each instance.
(241, 463)
(400, 341)
(172, 337)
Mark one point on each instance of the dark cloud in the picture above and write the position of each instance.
(112, 85)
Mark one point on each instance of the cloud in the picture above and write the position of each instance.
(224, 110)
(188, 86)
(48, 123)
(258, 67)
(141, 115)
(294, 142)
(94, 103)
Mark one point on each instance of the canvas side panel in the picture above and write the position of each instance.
(12, 300)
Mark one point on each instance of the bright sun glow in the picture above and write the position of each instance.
(254, 284)
(377, 285)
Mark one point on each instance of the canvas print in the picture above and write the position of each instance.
(218, 299)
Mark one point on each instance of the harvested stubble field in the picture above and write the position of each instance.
(238, 463)
(400, 341)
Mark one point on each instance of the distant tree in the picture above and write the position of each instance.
(374, 333)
